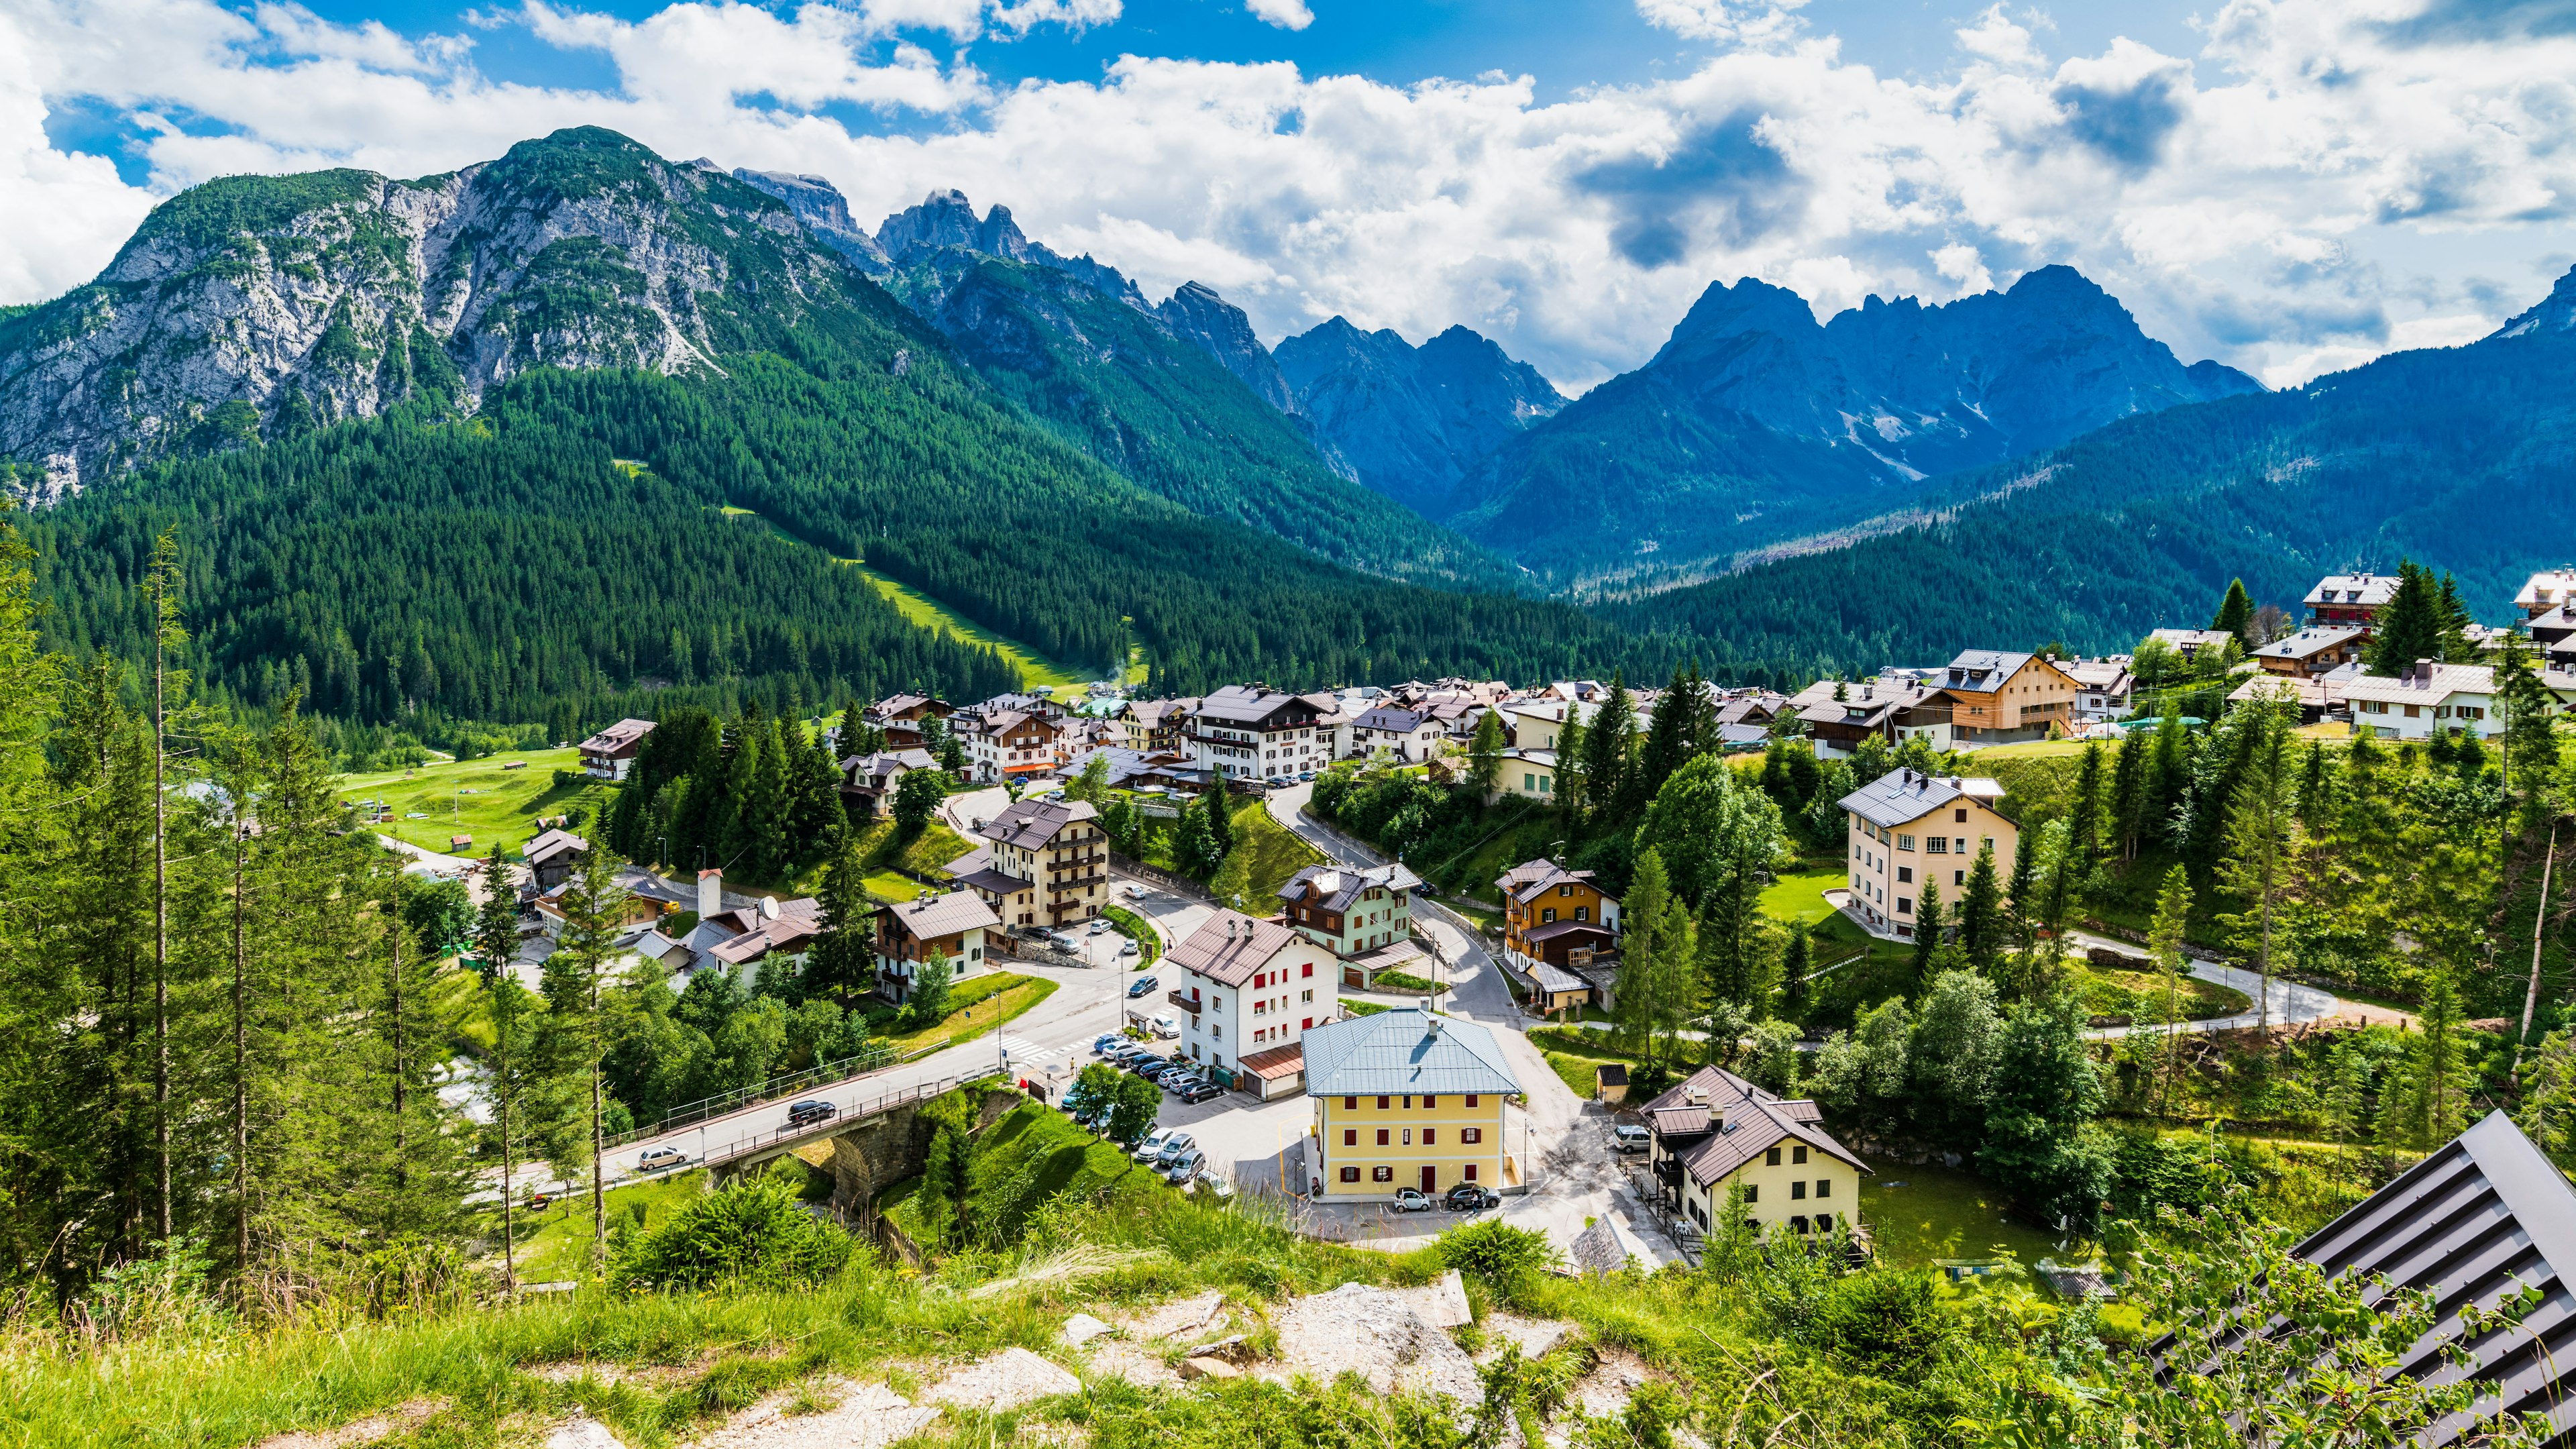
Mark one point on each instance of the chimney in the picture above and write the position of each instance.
(710, 893)
(2424, 670)
(1430, 1023)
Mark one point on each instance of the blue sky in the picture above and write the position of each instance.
(2289, 185)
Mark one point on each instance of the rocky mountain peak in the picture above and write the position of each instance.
(825, 212)
(1411, 421)
(2553, 313)
(1196, 313)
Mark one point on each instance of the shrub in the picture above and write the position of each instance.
(1495, 1251)
(754, 1232)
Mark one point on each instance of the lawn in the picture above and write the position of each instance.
(1800, 895)
(978, 1005)
(1137, 929)
(1574, 1054)
(1031, 1154)
(1918, 1214)
(1265, 854)
(2140, 994)
(554, 1244)
(494, 799)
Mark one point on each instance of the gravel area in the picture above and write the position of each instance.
(862, 1416)
(1375, 1333)
(1004, 1381)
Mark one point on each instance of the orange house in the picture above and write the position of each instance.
(1549, 911)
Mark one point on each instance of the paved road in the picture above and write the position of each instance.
(2292, 1002)
(1048, 1044)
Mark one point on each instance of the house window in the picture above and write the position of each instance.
(1753, 1190)
(1905, 905)
(1905, 875)
(1381, 1136)
(1905, 842)
(1430, 1136)
(1350, 1174)
(1547, 914)
(1958, 877)
(1350, 1137)
(1430, 1103)
(1797, 1155)
(1824, 1187)
(1471, 1099)
(1771, 1157)
(1309, 971)
(1961, 816)
(1470, 1172)
(1381, 1104)
(1350, 1104)
(1583, 913)
(1937, 845)
(1471, 1135)
(1381, 1174)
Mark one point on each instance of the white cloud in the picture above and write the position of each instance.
(2245, 201)
(1286, 14)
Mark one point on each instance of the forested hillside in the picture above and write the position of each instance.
(2456, 456)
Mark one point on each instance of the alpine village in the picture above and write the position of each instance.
(633, 815)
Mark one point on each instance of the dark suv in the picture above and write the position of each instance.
(1467, 1197)
(806, 1112)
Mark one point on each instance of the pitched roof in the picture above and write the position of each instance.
(1900, 796)
(618, 738)
(2548, 587)
(2483, 1216)
(1747, 1121)
(1984, 669)
(551, 844)
(1525, 881)
(1556, 978)
(895, 704)
(1249, 706)
(925, 917)
(1554, 929)
(1334, 887)
(1405, 1050)
(1275, 1062)
(1390, 719)
(1230, 946)
(2424, 684)
(2365, 590)
(2310, 641)
(1030, 824)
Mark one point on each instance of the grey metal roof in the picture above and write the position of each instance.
(1030, 824)
(1408, 1050)
(2485, 1215)
(1746, 1120)
(926, 917)
(1901, 796)
(1555, 978)
(1335, 887)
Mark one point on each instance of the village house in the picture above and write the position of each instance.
(1530, 774)
(1889, 708)
(1364, 916)
(2553, 634)
(1407, 1098)
(552, 856)
(644, 899)
(1009, 744)
(1045, 863)
(2106, 684)
(1714, 1132)
(747, 938)
(2005, 697)
(1909, 829)
(2315, 650)
(868, 781)
(1247, 732)
(948, 927)
(2352, 600)
(904, 719)
(1406, 736)
(2428, 699)
(1251, 989)
(1549, 911)
(2544, 591)
(2189, 642)
(1156, 726)
(2316, 697)
(610, 754)
(1744, 720)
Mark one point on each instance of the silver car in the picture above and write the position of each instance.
(1175, 1147)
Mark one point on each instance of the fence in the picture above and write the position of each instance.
(754, 1146)
(878, 1057)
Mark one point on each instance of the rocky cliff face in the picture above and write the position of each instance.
(1411, 421)
(1220, 329)
(255, 306)
(2552, 314)
(825, 212)
(935, 244)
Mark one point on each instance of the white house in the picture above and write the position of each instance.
(2426, 700)
(1250, 990)
(1412, 736)
(1244, 731)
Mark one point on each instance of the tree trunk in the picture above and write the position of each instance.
(501, 1105)
(241, 1045)
(402, 1166)
(160, 916)
(2539, 917)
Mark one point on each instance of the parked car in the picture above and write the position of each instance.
(1146, 1064)
(1167, 1026)
(1175, 1147)
(806, 1112)
(1201, 1090)
(1153, 1144)
(1107, 1042)
(1629, 1137)
(1139, 987)
(1135, 892)
(1099, 925)
(1127, 949)
(1183, 1167)
(1468, 1197)
(1412, 1200)
(657, 1158)
(1304, 775)
(1213, 1185)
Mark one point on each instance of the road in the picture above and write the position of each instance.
(1048, 1044)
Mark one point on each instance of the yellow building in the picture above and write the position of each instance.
(1909, 830)
(1404, 1099)
(1715, 1131)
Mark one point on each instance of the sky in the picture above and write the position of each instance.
(2290, 186)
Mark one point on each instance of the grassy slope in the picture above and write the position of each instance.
(1264, 856)
(1939, 1213)
(982, 1004)
(1038, 1152)
(504, 806)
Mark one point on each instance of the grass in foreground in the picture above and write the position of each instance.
(482, 798)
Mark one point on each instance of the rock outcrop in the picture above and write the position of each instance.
(1197, 315)
(1411, 421)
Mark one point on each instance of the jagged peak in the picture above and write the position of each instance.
(2553, 313)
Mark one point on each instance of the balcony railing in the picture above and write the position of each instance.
(1189, 1003)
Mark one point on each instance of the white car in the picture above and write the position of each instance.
(657, 1158)
(1152, 1146)
(1135, 892)
(1167, 1026)
(1099, 925)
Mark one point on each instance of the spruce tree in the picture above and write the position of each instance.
(2453, 611)
(844, 957)
(2024, 896)
(496, 944)
(2409, 626)
(1485, 756)
(582, 1013)
(2128, 795)
(1796, 960)
(1643, 929)
(1981, 917)
(1608, 756)
(2084, 814)
(1928, 922)
(2236, 614)
(1220, 819)
(1682, 724)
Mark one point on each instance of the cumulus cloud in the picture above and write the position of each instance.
(2242, 200)
(1286, 14)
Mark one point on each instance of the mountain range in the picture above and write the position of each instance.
(295, 365)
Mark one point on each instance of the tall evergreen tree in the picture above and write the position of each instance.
(1220, 819)
(2023, 895)
(1981, 917)
(496, 944)
(2262, 830)
(1485, 756)
(2409, 626)
(2084, 812)
(1609, 748)
(1682, 725)
(582, 1012)
(1928, 926)
(1797, 958)
(2236, 614)
(2127, 804)
(844, 957)
(1650, 916)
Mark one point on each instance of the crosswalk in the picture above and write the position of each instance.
(1024, 1052)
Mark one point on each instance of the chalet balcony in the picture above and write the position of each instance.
(1189, 1002)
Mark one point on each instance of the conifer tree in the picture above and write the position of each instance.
(2262, 829)
(1928, 923)
(2128, 795)
(2084, 813)
(2453, 611)
(1571, 747)
(1643, 929)
(2023, 895)
(2409, 626)
(1796, 960)
(582, 1014)
(1485, 756)
(1194, 851)
(2164, 946)
(844, 956)
(1220, 819)
(1981, 917)
(496, 945)
(1609, 746)
(2236, 614)
(1682, 725)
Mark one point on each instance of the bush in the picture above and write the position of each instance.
(754, 1232)
(1495, 1251)
(1889, 1319)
